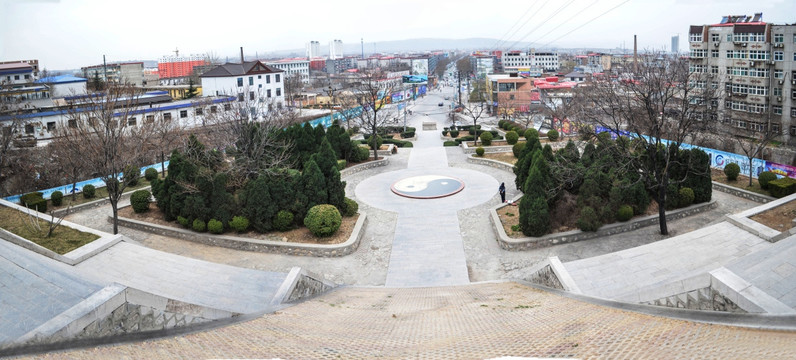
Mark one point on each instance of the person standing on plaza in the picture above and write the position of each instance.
(502, 191)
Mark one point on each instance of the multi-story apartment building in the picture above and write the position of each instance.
(119, 73)
(335, 49)
(248, 81)
(752, 64)
(293, 67)
(482, 65)
(179, 66)
(313, 49)
(537, 63)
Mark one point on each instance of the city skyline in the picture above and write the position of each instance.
(71, 34)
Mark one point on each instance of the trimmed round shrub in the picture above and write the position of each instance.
(517, 149)
(283, 220)
(323, 220)
(450, 143)
(444, 132)
(131, 175)
(732, 170)
(531, 133)
(362, 154)
(183, 221)
(454, 133)
(199, 225)
(763, 179)
(686, 197)
(57, 198)
(512, 137)
(379, 141)
(215, 227)
(471, 130)
(479, 150)
(486, 138)
(624, 213)
(239, 223)
(552, 135)
(588, 220)
(502, 124)
(140, 200)
(350, 207)
(150, 174)
(34, 201)
(89, 191)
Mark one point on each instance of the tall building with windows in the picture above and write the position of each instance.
(336, 49)
(675, 44)
(753, 64)
(313, 49)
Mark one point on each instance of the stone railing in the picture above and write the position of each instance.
(528, 243)
(743, 220)
(299, 285)
(491, 163)
(366, 166)
(269, 246)
(92, 204)
(741, 193)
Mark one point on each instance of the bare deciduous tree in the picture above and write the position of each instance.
(371, 96)
(107, 143)
(11, 111)
(661, 101)
(749, 132)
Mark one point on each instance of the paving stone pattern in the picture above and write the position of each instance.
(460, 322)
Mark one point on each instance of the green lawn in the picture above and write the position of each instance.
(62, 241)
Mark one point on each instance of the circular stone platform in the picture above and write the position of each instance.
(427, 186)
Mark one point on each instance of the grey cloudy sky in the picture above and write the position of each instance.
(69, 34)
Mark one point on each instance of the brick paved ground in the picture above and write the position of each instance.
(468, 322)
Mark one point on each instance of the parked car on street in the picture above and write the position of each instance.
(440, 104)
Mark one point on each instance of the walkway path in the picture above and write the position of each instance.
(478, 321)
(427, 248)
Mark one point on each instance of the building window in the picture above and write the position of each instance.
(72, 123)
(778, 74)
(695, 37)
(714, 69)
(167, 116)
(267, 79)
(251, 80)
(714, 37)
(259, 86)
(240, 81)
(779, 55)
(777, 109)
(16, 77)
(149, 119)
(278, 91)
(793, 112)
(183, 114)
(277, 78)
(51, 126)
(198, 111)
(268, 93)
(240, 96)
(29, 129)
(213, 109)
(131, 121)
(777, 91)
(27, 76)
(778, 38)
(227, 107)
(259, 77)
(714, 53)
(775, 128)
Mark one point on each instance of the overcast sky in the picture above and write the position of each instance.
(69, 34)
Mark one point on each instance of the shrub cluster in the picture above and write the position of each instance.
(782, 187)
(239, 224)
(350, 207)
(450, 143)
(283, 220)
(34, 201)
(486, 138)
(764, 178)
(624, 213)
(199, 225)
(215, 227)
(479, 150)
(512, 137)
(552, 135)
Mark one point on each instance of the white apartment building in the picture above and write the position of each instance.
(335, 49)
(529, 59)
(249, 81)
(313, 49)
(293, 67)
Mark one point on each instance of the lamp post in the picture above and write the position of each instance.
(330, 92)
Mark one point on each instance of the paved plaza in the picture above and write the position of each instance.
(428, 280)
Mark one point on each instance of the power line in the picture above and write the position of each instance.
(586, 23)
(559, 25)
(555, 13)
(496, 46)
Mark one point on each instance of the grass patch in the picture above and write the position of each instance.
(506, 157)
(742, 182)
(63, 240)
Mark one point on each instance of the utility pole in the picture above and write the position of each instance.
(459, 87)
(105, 69)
